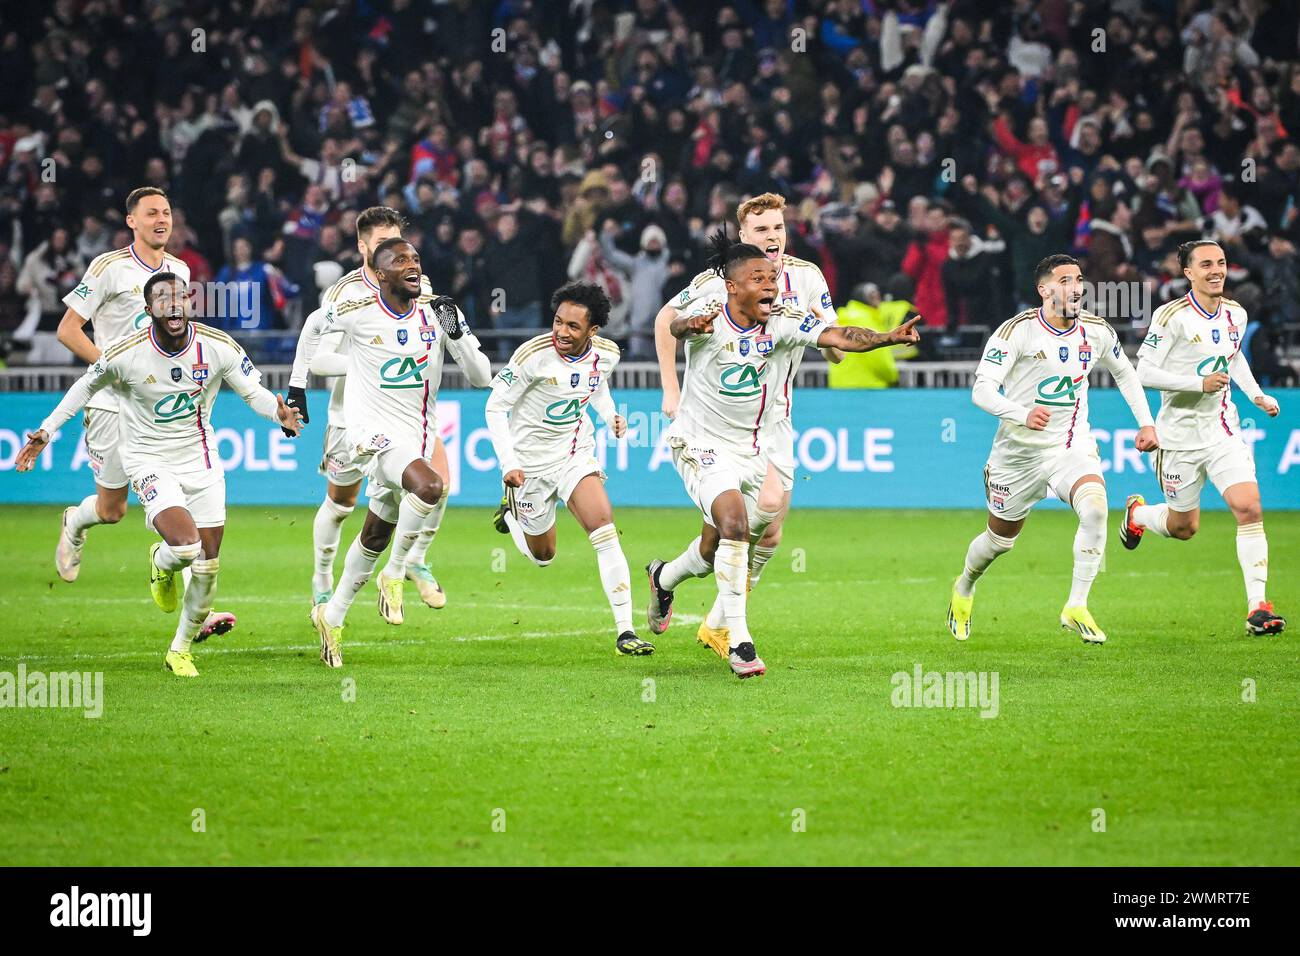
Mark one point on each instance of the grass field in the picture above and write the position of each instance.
(510, 706)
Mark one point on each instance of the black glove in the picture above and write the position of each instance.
(445, 311)
(297, 398)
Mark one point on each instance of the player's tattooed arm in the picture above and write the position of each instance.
(849, 338)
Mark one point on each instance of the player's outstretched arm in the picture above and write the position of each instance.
(666, 353)
(697, 323)
(96, 377)
(239, 372)
(848, 338)
(461, 342)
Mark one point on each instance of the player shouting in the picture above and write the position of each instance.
(1191, 354)
(802, 289)
(1040, 360)
(545, 442)
(737, 357)
(343, 477)
(166, 378)
(396, 346)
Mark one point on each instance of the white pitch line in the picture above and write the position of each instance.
(271, 600)
(293, 648)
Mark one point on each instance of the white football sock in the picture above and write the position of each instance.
(731, 570)
(689, 564)
(521, 542)
(171, 558)
(358, 564)
(326, 529)
(198, 602)
(983, 549)
(758, 558)
(1089, 541)
(420, 550)
(614, 575)
(86, 516)
(1153, 518)
(1252, 555)
(410, 519)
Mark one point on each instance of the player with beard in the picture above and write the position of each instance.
(396, 347)
(737, 354)
(109, 297)
(803, 290)
(1034, 377)
(343, 477)
(165, 379)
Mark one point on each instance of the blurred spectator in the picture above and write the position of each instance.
(647, 272)
(1232, 222)
(1110, 250)
(514, 266)
(970, 276)
(875, 369)
(666, 113)
(48, 272)
(924, 264)
(588, 264)
(246, 299)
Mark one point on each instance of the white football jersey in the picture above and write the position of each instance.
(1185, 339)
(111, 297)
(803, 289)
(166, 399)
(1036, 364)
(729, 388)
(394, 369)
(547, 395)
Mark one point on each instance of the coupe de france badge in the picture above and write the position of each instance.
(401, 336)
(744, 347)
(176, 374)
(1065, 353)
(574, 379)
(1214, 334)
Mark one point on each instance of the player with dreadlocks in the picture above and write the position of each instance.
(734, 352)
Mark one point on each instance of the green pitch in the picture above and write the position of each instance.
(504, 730)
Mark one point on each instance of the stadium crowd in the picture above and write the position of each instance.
(930, 152)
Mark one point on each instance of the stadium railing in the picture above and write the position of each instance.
(58, 378)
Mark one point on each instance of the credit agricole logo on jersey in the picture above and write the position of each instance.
(564, 412)
(405, 372)
(741, 381)
(171, 407)
(1215, 363)
(1060, 390)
